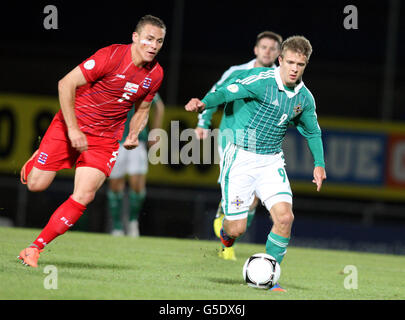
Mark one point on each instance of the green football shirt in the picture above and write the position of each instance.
(262, 109)
(205, 117)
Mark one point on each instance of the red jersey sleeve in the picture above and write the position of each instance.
(95, 67)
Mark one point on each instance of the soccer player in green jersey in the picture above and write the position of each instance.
(265, 102)
(134, 164)
(266, 49)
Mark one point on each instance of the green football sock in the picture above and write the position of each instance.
(136, 200)
(276, 246)
(115, 207)
(250, 217)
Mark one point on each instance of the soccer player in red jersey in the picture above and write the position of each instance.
(95, 98)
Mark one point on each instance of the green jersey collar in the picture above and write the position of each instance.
(280, 84)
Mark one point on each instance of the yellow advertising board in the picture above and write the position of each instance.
(364, 159)
(25, 118)
(23, 121)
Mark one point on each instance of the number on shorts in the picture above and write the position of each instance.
(282, 174)
(114, 156)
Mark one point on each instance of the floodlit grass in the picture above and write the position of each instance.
(99, 266)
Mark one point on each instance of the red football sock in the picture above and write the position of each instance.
(61, 220)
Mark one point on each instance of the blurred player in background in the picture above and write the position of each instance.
(95, 98)
(266, 101)
(133, 163)
(266, 49)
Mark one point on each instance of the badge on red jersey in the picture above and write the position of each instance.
(146, 83)
(131, 87)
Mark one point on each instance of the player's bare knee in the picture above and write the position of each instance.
(285, 219)
(234, 233)
(35, 185)
(235, 230)
(85, 197)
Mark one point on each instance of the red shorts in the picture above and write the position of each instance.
(56, 152)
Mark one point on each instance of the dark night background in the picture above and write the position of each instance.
(345, 73)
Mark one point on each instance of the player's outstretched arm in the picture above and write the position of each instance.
(195, 105)
(67, 92)
(319, 176)
(137, 124)
(204, 123)
(223, 95)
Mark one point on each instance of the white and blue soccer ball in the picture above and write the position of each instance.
(261, 270)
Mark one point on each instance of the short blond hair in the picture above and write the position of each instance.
(298, 44)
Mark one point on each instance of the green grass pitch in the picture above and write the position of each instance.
(99, 266)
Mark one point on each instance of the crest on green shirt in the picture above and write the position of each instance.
(298, 109)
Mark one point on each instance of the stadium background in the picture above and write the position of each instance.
(356, 76)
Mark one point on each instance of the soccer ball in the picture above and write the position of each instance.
(261, 271)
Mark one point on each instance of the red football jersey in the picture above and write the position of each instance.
(114, 83)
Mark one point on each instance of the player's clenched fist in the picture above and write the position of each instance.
(131, 142)
(195, 105)
(78, 139)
